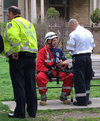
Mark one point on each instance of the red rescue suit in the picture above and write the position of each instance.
(45, 58)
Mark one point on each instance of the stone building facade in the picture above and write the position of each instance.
(1, 16)
(78, 9)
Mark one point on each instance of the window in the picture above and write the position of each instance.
(60, 2)
(6, 4)
(63, 6)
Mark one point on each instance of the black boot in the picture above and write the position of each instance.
(43, 99)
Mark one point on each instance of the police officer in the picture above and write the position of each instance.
(51, 62)
(80, 45)
(20, 45)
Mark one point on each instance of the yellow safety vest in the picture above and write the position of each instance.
(20, 36)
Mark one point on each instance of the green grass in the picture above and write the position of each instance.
(51, 115)
(6, 90)
(67, 55)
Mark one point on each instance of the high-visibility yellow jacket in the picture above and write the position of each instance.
(20, 36)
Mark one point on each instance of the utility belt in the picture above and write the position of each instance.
(25, 55)
(67, 70)
(82, 54)
(51, 67)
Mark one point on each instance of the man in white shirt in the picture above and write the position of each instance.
(80, 46)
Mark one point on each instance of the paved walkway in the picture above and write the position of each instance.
(58, 105)
(95, 56)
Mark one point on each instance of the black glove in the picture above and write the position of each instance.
(49, 74)
(93, 73)
(68, 70)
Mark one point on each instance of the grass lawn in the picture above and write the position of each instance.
(6, 94)
(50, 115)
(6, 90)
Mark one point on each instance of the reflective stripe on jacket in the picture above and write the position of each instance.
(45, 58)
(20, 36)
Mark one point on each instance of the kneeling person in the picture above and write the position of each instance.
(51, 62)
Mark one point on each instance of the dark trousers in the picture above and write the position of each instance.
(82, 71)
(22, 72)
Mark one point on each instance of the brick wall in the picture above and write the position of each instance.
(80, 11)
(46, 6)
(29, 6)
(38, 8)
(96, 35)
(96, 4)
(21, 7)
(1, 17)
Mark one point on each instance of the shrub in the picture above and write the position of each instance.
(41, 30)
(60, 27)
(52, 13)
(2, 28)
(95, 16)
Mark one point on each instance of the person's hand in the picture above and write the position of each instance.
(15, 56)
(60, 63)
(49, 74)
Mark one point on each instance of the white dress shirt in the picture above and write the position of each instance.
(81, 41)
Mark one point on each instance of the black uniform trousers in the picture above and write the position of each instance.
(22, 72)
(82, 74)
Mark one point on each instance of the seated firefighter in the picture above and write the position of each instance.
(51, 62)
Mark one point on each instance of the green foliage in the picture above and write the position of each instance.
(3, 107)
(95, 16)
(52, 13)
(54, 93)
(6, 91)
(4, 117)
(51, 115)
(67, 55)
(2, 24)
(2, 28)
(89, 119)
(90, 110)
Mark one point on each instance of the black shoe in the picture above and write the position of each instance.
(32, 116)
(90, 102)
(43, 99)
(77, 104)
(64, 100)
(11, 115)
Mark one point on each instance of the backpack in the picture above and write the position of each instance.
(1, 44)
